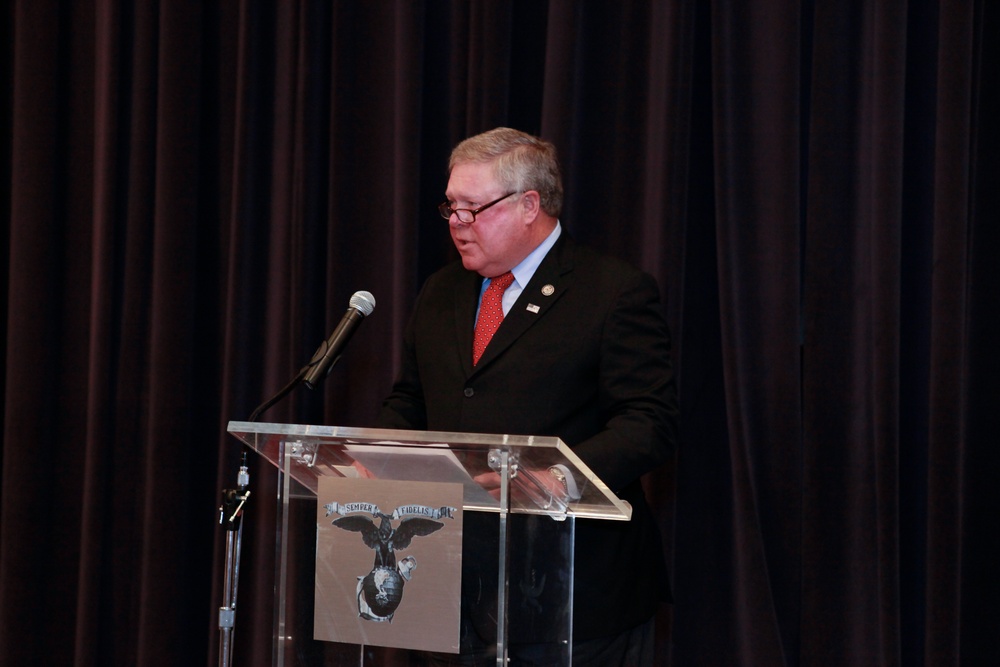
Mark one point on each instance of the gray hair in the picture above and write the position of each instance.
(520, 161)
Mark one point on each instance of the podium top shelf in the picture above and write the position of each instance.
(308, 452)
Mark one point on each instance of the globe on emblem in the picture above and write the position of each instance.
(382, 590)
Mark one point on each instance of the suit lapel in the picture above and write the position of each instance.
(551, 280)
(466, 300)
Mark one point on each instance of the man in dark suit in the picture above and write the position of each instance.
(582, 353)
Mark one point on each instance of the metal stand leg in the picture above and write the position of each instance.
(231, 519)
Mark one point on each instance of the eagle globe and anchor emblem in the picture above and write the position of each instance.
(380, 592)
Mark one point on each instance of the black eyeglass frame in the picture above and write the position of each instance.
(447, 211)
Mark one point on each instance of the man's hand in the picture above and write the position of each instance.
(527, 486)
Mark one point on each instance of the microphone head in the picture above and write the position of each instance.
(363, 302)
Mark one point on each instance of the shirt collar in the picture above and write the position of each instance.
(526, 269)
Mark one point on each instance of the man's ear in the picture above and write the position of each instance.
(530, 205)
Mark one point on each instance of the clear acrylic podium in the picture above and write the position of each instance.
(527, 552)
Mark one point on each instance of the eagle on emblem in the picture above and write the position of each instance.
(385, 539)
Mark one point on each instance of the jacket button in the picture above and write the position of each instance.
(469, 392)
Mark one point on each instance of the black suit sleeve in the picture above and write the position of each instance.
(636, 389)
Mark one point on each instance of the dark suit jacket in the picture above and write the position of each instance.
(591, 366)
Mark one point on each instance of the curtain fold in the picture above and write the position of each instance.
(852, 331)
(195, 191)
(948, 391)
(756, 129)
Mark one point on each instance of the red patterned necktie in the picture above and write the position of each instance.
(490, 314)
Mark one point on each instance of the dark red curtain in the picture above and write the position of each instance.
(192, 191)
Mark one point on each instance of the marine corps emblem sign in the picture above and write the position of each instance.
(388, 563)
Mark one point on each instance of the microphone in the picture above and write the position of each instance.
(361, 306)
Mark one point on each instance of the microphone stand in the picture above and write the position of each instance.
(231, 515)
(231, 519)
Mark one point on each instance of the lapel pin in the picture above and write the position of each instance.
(532, 308)
(548, 290)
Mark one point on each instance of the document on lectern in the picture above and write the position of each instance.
(389, 563)
(419, 464)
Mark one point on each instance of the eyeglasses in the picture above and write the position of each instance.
(466, 215)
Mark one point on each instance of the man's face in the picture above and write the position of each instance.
(500, 237)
